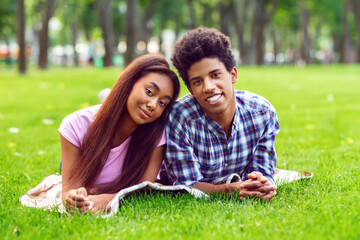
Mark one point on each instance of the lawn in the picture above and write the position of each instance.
(319, 113)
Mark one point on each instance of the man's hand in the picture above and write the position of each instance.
(258, 186)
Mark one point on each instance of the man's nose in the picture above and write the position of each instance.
(209, 85)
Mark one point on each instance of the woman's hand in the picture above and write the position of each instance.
(77, 199)
(98, 203)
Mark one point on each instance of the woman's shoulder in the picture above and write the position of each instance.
(75, 125)
(86, 114)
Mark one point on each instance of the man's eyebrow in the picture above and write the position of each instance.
(155, 86)
(213, 71)
(194, 78)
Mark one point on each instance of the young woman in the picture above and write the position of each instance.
(120, 143)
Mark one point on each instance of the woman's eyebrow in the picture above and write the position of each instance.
(155, 86)
(158, 89)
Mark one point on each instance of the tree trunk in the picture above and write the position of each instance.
(223, 8)
(356, 10)
(21, 36)
(192, 23)
(50, 7)
(305, 41)
(275, 44)
(130, 31)
(103, 9)
(206, 14)
(239, 22)
(336, 39)
(148, 23)
(345, 36)
(74, 30)
(260, 19)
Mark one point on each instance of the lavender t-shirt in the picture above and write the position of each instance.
(74, 128)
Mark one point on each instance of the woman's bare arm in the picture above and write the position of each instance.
(156, 159)
(73, 193)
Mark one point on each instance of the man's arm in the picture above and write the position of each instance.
(257, 186)
(264, 155)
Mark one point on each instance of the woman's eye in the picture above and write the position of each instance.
(149, 92)
(162, 103)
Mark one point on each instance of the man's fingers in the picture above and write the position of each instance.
(251, 194)
(257, 176)
(270, 196)
(264, 196)
(255, 185)
(263, 189)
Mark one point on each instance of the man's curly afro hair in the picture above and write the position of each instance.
(198, 44)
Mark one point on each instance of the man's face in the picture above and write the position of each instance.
(212, 86)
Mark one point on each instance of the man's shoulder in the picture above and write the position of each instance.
(185, 107)
(252, 102)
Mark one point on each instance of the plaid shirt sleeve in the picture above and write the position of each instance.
(264, 156)
(181, 164)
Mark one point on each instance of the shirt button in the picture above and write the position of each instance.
(226, 164)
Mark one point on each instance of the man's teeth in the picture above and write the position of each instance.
(213, 98)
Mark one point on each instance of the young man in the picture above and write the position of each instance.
(216, 131)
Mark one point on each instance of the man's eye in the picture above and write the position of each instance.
(196, 82)
(149, 92)
(216, 75)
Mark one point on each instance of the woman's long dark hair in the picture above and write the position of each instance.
(98, 139)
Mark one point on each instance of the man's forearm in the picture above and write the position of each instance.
(221, 188)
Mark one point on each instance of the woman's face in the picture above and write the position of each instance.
(149, 97)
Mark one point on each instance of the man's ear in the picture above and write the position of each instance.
(233, 73)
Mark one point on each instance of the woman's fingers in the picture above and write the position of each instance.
(75, 200)
(81, 191)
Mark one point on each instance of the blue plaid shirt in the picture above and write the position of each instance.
(199, 151)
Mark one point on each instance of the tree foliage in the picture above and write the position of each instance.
(256, 27)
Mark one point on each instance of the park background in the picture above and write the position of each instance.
(56, 56)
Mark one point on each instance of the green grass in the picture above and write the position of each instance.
(319, 113)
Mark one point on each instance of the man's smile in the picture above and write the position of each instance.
(213, 98)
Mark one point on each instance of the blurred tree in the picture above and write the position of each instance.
(72, 9)
(261, 17)
(305, 39)
(286, 23)
(148, 24)
(356, 9)
(48, 9)
(7, 15)
(239, 10)
(224, 7)
(87, 18)
(20, 13)
(103, 9)
(175, 17)
(118, 20)
(130, 30)
(345, 36)
(192, 14)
